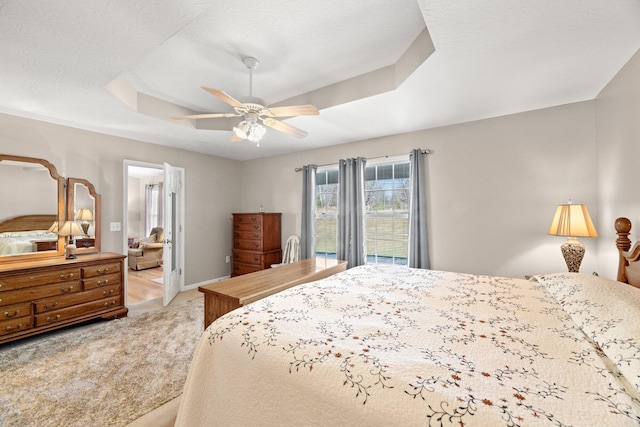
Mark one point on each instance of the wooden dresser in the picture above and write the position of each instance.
(256, 242)
(39, 296)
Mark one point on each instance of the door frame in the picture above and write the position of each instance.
(125, 221)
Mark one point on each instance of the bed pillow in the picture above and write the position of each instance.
(607, 311)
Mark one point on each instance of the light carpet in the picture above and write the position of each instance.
(107, 373)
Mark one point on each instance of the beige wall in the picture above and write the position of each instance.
(618, 159)
(493, 186)
(99, 159)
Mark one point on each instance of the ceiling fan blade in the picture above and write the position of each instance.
(205, 116)
(293, 110)
(284, 127)
(224, 97)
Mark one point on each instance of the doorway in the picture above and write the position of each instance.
(153, 238)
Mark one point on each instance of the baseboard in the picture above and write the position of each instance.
(206, 282)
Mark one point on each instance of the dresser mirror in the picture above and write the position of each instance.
(83, 206)
(32, 206)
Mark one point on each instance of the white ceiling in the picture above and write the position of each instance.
(492, 57)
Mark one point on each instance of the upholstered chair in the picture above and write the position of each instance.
(147, 252)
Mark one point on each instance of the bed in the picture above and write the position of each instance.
(27, 233)
(389, 345)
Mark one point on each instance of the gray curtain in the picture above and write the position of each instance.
(418, 251)
(308, 232)
(352, 246)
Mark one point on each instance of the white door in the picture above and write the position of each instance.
(173, 259)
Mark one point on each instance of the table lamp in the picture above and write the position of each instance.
(85, 216)
(572, 221)
(70, 229)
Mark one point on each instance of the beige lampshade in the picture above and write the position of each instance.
(85, 214)
(53, 228)
(70, 228)
(572, 221)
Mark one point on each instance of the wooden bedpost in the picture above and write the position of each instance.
(623, 227)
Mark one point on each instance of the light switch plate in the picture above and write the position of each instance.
(115, 226)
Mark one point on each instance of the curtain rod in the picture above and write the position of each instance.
(424, 151)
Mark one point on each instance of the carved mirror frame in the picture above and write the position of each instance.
(33, 219)
(71, 212)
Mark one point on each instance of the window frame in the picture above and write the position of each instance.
(395, 240)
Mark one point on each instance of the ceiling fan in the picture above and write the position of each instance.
(255, 112)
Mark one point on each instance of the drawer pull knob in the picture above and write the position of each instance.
(49, 319)
(7, 314)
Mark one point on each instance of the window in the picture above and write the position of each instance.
(153, 206)
(387, 212)
(326, 212)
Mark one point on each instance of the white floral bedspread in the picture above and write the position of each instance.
(393, 346)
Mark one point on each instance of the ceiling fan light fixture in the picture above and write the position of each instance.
(256, 132)
(242, 130)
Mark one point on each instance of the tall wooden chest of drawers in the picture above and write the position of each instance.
(48, 294)
(256, 242)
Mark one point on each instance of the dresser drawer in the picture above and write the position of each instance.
(247, 235)
(247, 257)
(256, 228)
(15, 325)
(63, 301)
(239, 268)
(251, 245)
(15, 311)
(100, 270)
(11, 282)
(247, 219)
(69, 313)
(29, 294)
(106, 280)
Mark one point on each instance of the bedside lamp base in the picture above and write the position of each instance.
(573, 252)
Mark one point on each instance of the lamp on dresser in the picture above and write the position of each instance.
(572, 221)
(68, 230)
(85, 216)
(53, 228)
